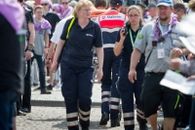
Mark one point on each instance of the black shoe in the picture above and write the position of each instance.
(45, 92)
(38, 88)
(50, 87)
(35, 84)
(20, 113)
(26, 110)
(104, 119)
(85, 128)
(115, 123)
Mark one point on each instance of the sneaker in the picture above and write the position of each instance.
(115, 123)
(26, 110)
(104, 119)
(20, 113)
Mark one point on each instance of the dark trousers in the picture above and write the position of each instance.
(128, 91)
(192, 115)
(41, 65)
(110, 95)
(7, 100)
(24, 100)
(77, 92)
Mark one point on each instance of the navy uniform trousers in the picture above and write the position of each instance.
(128, 91)
(77, 92)
(110, 96)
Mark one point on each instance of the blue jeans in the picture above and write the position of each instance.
(7, 99)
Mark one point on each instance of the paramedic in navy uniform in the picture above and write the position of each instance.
(76, 65)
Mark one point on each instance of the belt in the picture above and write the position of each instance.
(155, 73)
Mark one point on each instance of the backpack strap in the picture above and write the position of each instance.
(69, 27)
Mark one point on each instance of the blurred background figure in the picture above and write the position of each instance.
(24, 101)
(12, 45)
(42, 31)
(53, 19)
(152, 13)
(180, 10)
(67, 9)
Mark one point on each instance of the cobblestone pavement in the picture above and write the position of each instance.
(51, 118)
(48, 112)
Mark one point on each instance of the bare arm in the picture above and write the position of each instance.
(58, 51)
(119, 45)
(135, 57)
(32, 33)
(46, 40)
(30, 45)
(100, 56)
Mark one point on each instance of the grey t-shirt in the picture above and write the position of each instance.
(40, 40)
(144, 44)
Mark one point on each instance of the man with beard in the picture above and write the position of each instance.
(156, 46)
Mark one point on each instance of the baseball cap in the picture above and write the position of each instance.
(165, 3)
(116, 2)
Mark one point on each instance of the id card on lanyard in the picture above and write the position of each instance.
(161, 49)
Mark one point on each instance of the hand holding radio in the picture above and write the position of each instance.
(123, 33)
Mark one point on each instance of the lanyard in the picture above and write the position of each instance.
(131, 37)
(166, 32)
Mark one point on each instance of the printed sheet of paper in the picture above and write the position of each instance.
(178, 82)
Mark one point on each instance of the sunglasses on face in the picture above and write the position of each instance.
(64, 3)
(45, 4)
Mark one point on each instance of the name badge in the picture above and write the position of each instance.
(160, 53)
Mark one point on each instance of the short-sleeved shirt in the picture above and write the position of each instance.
(78, 50)
(58, 30)
(53, 20)
(128, 48)
(144, 44)
(40, 40)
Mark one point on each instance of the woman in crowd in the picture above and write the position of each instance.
(76, 64)
(124, 47)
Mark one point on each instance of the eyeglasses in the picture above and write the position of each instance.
(86, 10)
(44, 4)
(133, 15)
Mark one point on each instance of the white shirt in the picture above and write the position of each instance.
(58, 30)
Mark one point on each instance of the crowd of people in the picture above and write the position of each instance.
(135, 43)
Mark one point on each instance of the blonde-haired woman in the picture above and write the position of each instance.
(124, 47)
(76, 64)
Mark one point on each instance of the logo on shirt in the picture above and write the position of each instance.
(89, 35)
(140, 36)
